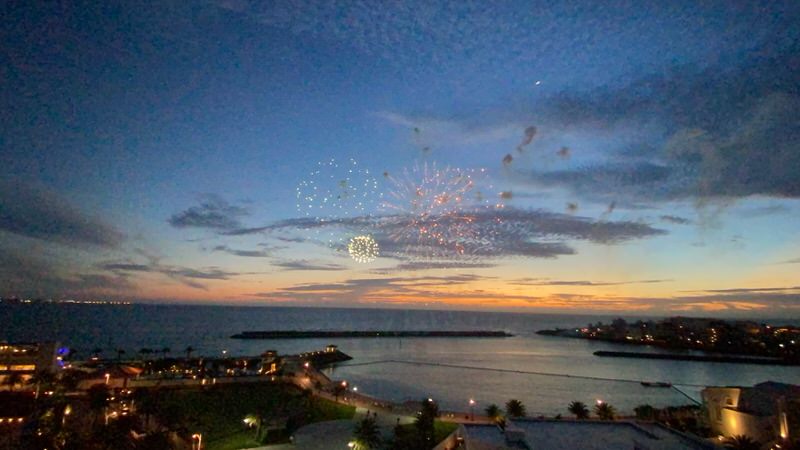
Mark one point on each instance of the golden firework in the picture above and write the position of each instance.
(363, 249)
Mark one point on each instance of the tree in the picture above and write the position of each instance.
(645, 412)
(155, 440)
(338, 389)
(117, 435)
(366, 434)
(254, 421)
(515, 408)
(425, 422)
(69, 380)
(120, 352)
(12, 379)
(98, 399)
(742, 442)
(165, 351)
(189, 351)
(96, 352)
(42, 379)
(579, 409)
(605, 411)
(493, 412)
(147, 402)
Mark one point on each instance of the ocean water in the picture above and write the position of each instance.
(545, 373)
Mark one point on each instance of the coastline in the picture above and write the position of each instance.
(304, 334)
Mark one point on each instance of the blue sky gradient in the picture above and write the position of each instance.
(153, 152)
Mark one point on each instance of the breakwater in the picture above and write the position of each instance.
(702, 358)
(298, 334)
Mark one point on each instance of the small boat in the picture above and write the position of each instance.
(656, 384)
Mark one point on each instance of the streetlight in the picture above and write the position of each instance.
(472, 410)
(199, 438)
(108, 377)
(67, 411)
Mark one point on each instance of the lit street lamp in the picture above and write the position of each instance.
(108, 377)
(199, 439)
(472, 409)
(67, 411)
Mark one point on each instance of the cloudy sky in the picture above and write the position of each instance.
(637, 157)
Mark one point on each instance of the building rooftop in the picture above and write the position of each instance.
(570, 434)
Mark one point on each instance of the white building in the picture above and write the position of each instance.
(760, 412)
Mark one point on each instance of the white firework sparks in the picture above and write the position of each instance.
(363, 249)
(433, 210)
(336, 191)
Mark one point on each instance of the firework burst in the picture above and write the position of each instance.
(335, 191)
(432, 211)
(363, 249)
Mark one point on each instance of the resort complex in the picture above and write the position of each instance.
(281, 402)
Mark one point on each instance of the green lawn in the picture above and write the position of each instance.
(218, 412)
(443, 429)
(440, 431)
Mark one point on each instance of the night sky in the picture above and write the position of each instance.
(635, 157)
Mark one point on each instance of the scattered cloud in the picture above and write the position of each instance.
(264, 253)
(750, 290)
(303, 264)
(436, 265)
(675, 219)
(499, 233)
(719, 134)
(451, 132)
(459, 290)
(549, 282)
(213, 212)
(26, 273)
(39, 213)
(185, 275)
(763, 211)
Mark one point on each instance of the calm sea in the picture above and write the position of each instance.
(546, 373)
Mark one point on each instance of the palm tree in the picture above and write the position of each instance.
(96, 352)
(70, 380)
(12, 379)
(120, 352)
(143, 352)
(742, 442)
(579, 409)
(338, 389)
(156, 439)
(645, 412)
(515, 408)
(425, 423)
(254, 420)
(98, 399)
(165, 351)
(493, 412)
(366, 434)
(189, 351)
(148, 403)
(42, 379)
(604, 411)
